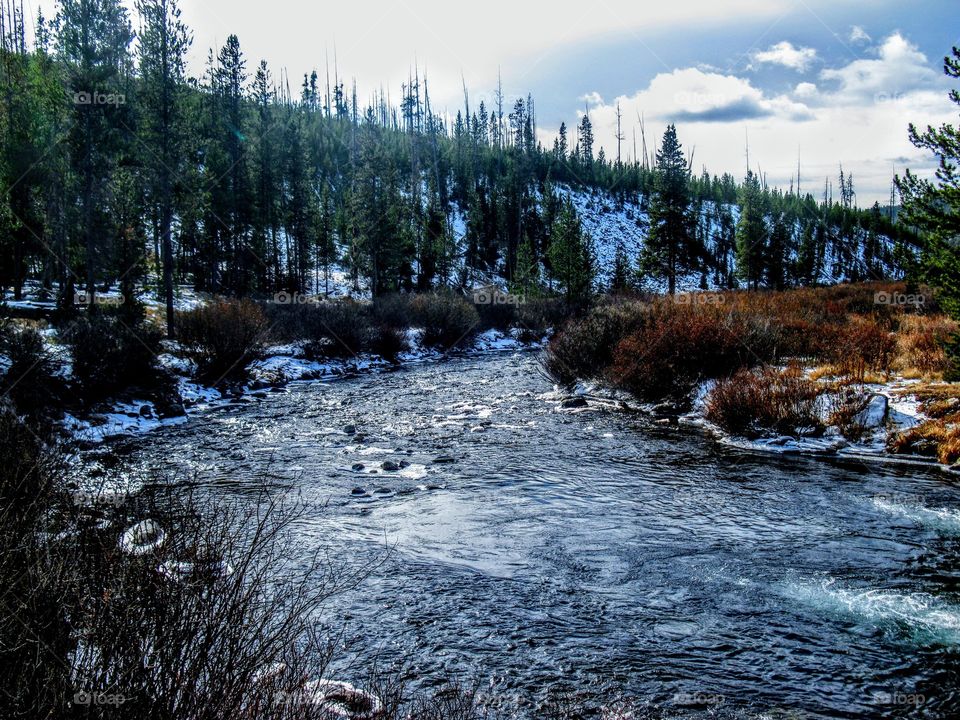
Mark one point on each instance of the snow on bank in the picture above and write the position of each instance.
(282, 364)
(890, 408)
(124, 419)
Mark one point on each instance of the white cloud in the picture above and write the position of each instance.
(784, 53)
(898, 69)
(859, 35)
(378, 42)
(593, 98)
(858, 115)
(691, 95)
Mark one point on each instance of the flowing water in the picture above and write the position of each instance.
(596, 553)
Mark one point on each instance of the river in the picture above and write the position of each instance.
(597, 553)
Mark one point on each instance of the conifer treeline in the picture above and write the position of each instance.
(119, 169)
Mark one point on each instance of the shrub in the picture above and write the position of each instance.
(336, 329)
(679, 345)
(222, 337)
(499, 316)
(35, 646)
(110, 356)
(922, 343)
(862, 344)
(393, 310)
(29, 381)
(584, 348)
(448, 320)
(754, 402)
(386, 341)
(537, 316)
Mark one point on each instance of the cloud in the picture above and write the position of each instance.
(899, 68)
(856, 113)
(691, 95)
(592, 98)
(859, 35)
(784, 53)
(806, 91)
(742, 109)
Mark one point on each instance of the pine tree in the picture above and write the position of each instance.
(751, 232)
(93, 39)
(776, 253)
(163, 43)
(620, 280)
(668, 249)
(571, 257)
(934, 207)
(585, 142)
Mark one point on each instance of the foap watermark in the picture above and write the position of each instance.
(700, 298)
(83, 497)
(899, 499)
(898, 298)
(96, 97)
(495, 297)
(86, 697)
(888, 98)
(699, 699)
(295, 298)
(87, 298)
(898, 697)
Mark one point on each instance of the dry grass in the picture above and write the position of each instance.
(920, 340)
(751, 402)
(932, 438)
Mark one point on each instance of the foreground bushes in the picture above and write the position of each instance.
(677, 346)
(222, 337)
(36, 579)
(585, 348)
(347, 328)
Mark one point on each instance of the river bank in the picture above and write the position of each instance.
(278, 366)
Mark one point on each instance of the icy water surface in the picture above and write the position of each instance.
(596, 553)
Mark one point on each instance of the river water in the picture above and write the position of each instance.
(595, 553)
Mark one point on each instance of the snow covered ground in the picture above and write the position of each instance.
(890, 409)
(280, 365)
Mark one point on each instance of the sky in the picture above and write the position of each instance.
(814, 81)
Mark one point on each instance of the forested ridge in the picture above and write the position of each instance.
(123, 172)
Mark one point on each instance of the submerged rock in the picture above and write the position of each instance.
(357, 467)
(574, 402)
(350, 429)
(443, 460)
(358, 491)
(390, 466)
